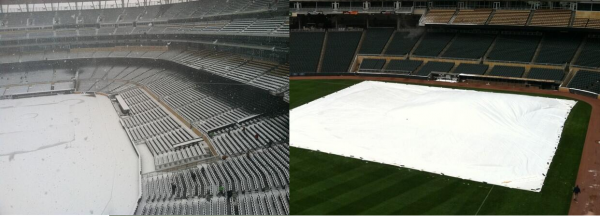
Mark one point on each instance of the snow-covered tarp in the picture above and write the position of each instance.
(65, 154)
(501, 139)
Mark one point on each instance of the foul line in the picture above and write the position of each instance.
(484, 199)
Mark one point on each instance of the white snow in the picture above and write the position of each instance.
(501, 139)
(147, 159)
(65, 154)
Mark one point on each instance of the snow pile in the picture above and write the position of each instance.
(501, 139)
(65, 154)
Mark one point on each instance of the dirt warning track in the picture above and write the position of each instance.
(587, 177)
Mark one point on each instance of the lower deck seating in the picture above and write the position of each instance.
(434, 67)
(372, 64)
(251, 135)
(478, 69)
(375, 40)
(433, 43)
(402, 43)
(507, 71)
(257, 181)
(586, 80)
(469, 46)
(546, 74)
(339, 51)
(516, 48)
(178, 156)
(589, 53)
(149, 123)
(558, 48)
(305, 51)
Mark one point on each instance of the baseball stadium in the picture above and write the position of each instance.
(444, 107)
(147, 107)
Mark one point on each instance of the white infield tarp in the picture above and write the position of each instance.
(65, 154)
(501, 139)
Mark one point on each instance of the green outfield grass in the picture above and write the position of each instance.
(329, 184)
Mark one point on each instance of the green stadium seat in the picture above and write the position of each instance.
(586, 80)
(589, 54)
(465, 68)
(515, 48)
(372, 64)
(546, 74)
(507, 71)
(375, 40)
(401, 44)
(434, 66)
(558, 48)
(339, 51)
(407, 66)
(305, 51)
(469, 46)
(433, 43)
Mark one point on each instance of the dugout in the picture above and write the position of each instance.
(498, 80)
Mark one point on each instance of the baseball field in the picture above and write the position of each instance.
(329, 184)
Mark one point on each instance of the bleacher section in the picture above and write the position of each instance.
(434, 67)
(586, 23)
(402, 43)
(340, 50)
(507, 71)
(469, 46)
(516, 48)
(438, 16)
(473, 17)
(372, 64)
(258, 180)
(477, 69)
(546, 74)
(375, 40)
(251, 135)
(305, 51)
(433, 43)
(586, 80)
(555, 18)
(510, 17)
(150, 124)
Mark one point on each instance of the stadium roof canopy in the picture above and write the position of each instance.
(55, 5)
(43, 1)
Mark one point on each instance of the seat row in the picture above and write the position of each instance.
(149, 123)
(180, 155)
(252, 135)
(257, 171)
(274, 202)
